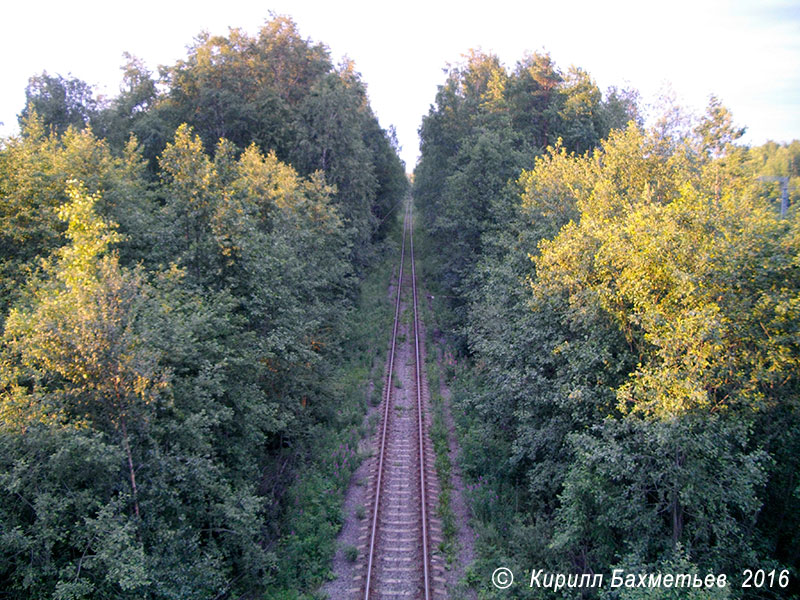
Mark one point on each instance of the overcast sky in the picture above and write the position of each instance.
(747, 53)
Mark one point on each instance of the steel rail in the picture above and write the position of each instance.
(423, 491)
(387, 397)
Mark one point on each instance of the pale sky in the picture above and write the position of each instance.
(745, 52)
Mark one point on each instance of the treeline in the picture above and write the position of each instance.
(626, 303)
(487, 125)
(177, 269)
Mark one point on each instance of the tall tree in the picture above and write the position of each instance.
(59, 101)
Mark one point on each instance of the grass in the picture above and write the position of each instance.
(313, 512)
(377, 391)
(372, 423)
(444, 467)
(440, 437)
(351, 553)
(439, 314)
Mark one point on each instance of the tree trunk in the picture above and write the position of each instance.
(677, 508)
(130, 468)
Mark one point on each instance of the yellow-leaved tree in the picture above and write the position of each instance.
(78, 336)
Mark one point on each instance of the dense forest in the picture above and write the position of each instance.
(180, 273)
(193, 280)
(624, 304)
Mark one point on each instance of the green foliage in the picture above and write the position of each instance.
(281, 93)
(678, 563)
(60, 102)
(487, 127)
(131, 113)
(81, 324)
(440, 437)
(581, 111)
(351, 553)
(629, 319)
(314, 496)
(87, 360)
(656, 484)
(183, 376)
(34, 173)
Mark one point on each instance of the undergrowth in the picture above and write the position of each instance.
(439, 431)
(312, 514)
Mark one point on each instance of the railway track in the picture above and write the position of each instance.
(400, 539)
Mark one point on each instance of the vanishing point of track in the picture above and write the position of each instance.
(398, 543)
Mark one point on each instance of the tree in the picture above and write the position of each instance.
(192, 191)
(620, 107)
(716, 132)
(172, 339)
(641, 408)
(535, 98)
(649, 488)
(133, 112)
(331, 140)
(581, 111)
(60, 102)
(83, 327)
(34, 169)
(98, 359)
